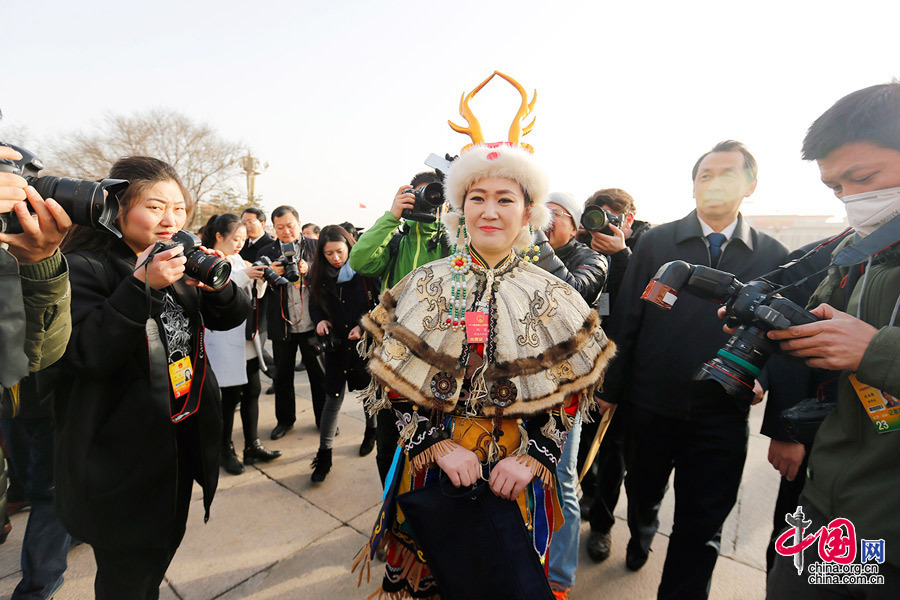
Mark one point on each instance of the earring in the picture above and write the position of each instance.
(531, 253)
(459, 262)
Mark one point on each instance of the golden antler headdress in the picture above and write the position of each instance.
(510, 160)
(516, 131)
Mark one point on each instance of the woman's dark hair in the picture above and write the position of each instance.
(143, 172)
(320, 265)
(224, 224)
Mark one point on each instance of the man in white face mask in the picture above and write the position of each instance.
(853, 470)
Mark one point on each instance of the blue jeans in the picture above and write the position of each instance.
(46, 542)
(564, 544)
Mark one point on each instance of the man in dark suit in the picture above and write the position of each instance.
(697, 429)
(257, 238)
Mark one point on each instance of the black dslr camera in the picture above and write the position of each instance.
(210, 269)
(429, 200)
(597, 218)
(269, 275)
(326, 343)
(752, 306)
(290, 259)
(86, 202)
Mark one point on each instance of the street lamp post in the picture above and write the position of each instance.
(250, 164)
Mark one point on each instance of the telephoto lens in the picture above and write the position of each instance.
(269, 275)
(86, 202)
(210, 269)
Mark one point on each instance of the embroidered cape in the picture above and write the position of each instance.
(544, 345)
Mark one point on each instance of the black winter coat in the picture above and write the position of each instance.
(659, 350)
(576, 264)
(117, 457)
(343, 304)
(277, 327)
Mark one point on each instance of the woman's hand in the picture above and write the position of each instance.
(323, 327)
(355, 333)
(255, 272)
(509, 478)
(303, 266)
(164, 269)
(461, 466)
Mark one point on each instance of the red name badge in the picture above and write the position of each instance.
(476, 327)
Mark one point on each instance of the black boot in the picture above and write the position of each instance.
(321, 465)
(255, 452)
(229, 460)
(368, 443)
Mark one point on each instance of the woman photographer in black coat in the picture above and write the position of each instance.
(339, 296)
(137, 416)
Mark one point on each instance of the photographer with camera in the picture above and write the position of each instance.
(852, 474)
(289, 323)
(392, 247)
(618, 241)
(338, 298)
(136, 408)
(233, 354)
(603, 482)
(585, 270)
(35, 325)
(700, 431)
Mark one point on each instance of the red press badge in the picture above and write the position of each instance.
(476, 327)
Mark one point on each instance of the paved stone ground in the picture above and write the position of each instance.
(273, 534)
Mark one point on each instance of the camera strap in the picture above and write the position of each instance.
(857, 253)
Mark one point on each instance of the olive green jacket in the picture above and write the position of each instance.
(852, 468)
(48, 322)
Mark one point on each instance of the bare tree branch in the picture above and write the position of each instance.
(208, 164)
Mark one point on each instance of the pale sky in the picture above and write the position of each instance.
(345, 100)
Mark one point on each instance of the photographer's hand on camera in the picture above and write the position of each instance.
(608, 244)
(323, 327)
(255, 272)
(837, 342)
(164, 269)
(42, 232)
(402, 201)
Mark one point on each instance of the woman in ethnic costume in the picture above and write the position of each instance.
(484, 358)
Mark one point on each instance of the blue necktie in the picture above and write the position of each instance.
(715, 247)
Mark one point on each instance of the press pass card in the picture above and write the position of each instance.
(180, 373)
(883, 409)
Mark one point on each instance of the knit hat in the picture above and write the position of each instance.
(504, 160)
(569, 203)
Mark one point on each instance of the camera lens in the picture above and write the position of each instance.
(739, 362)
(86, 202)
(432, 194)
(594, 218)
(207, 268)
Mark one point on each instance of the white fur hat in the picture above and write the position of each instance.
(497, 160)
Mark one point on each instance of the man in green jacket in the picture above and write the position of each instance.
(852, 472)
(390, 249)
(35, 325)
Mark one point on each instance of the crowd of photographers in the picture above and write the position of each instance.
(104, 441)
